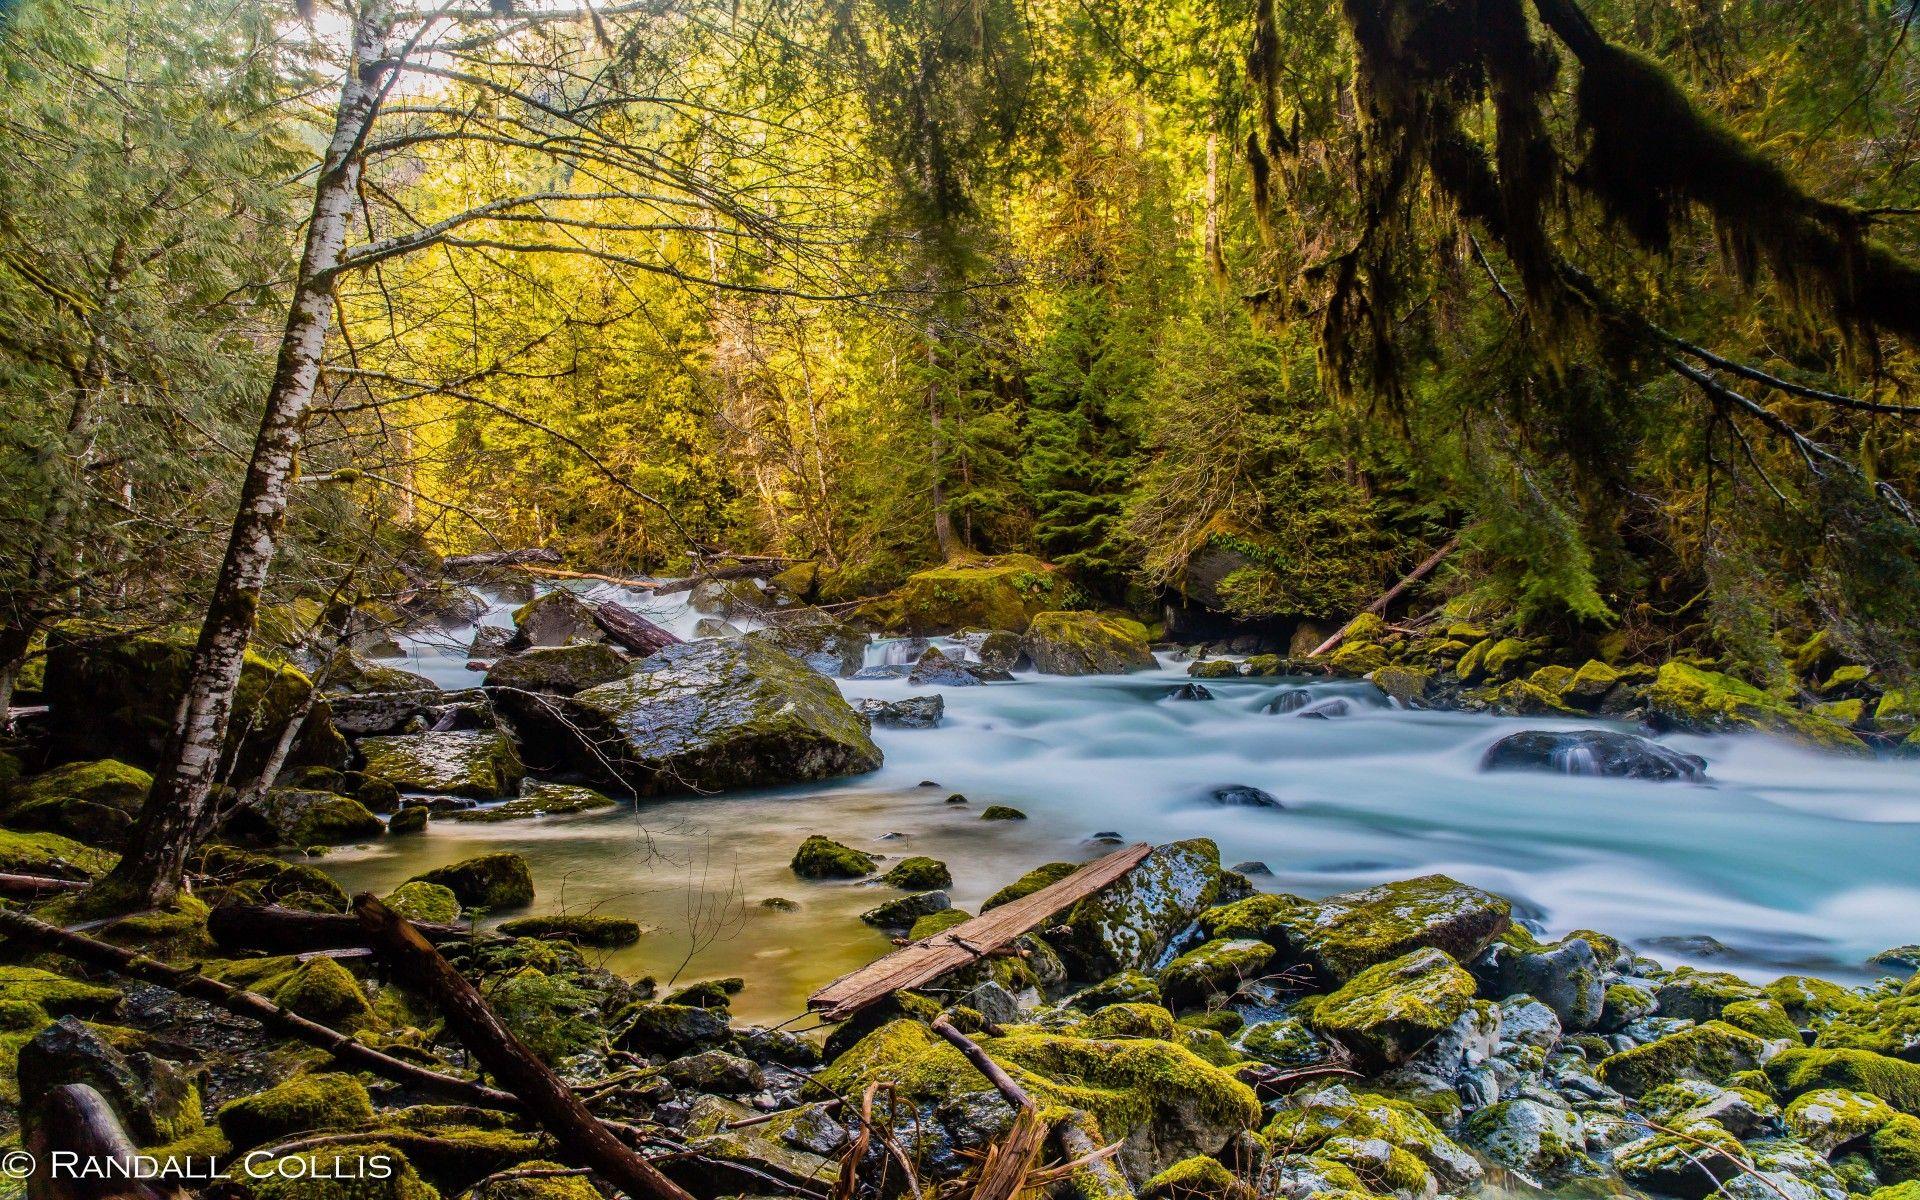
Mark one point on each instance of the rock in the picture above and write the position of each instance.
(1126, 925)
(1196, 1178)
(1001, 812)
(1326, 710)
(1692, 1162)
(1566, 977)
(1690, 698)
(1239, 795)
(1086, 643)
(156, 1099)
(1386, 1013)
(823, 858)
(1592, 752)
(1217, 968)
(904, 911)
(1708, 1053)
(1003, 593)
(557, 618)
(1251, 867)
(302, 818)
(828, 646)
(582, 929)
(708, 993)
(1028, 884)
(347, 674)
(489, 642)
(1127, 987)
(1157, 1100)
(915, 712)
(918, 873)
(303, 1104)
(673, 1029)
(1794, 1072)
(715, 715)
(1345, 934)
(95, 803)
(714, 627)
(1895, 1149)
(556, 670)
(935, 667)
(1763, 1019)
(114, 693)
(716, 1073)
(1214, 668)
(480, 764)
(1408, 686)
(1887, 1024)
(410, 819)
(1190, 691)
(374, 713)
(993, 650)
(51, 855)
(1290, 701)
(1904, 958)
(1531, 1137)
(418, 901)
(1287, 1042)
(491, 881)
(1695, 995)
(534, 1179)
(729, 597)
(1387, 1140)
(1830, 1118)
(539, 799)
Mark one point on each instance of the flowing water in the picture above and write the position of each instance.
(1793, 860)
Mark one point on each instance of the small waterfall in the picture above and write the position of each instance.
(1574, 758)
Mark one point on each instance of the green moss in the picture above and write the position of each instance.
(1225, 1021)
(1387, 1012)
(1762, 1018)
(430, 902)
(51, 854)
(1262, 916)
(1357, 657)
(1407, 685)
(1345, 934)
(1197, 1178)
(1807, 1000)
(538, 799)
(1505, 658)
(1001, 812)
(918, 874)
(491, 881)
(91, 802)
(1005, 592)
(1840, 712)
(1710, 1052)
(1126, 987)
(1694, 698)
(53, 994)
(341, 1173)
(322, 990)
(1086, 643)
(823, 858)
(938, 922)
(1830, 1118)
(306, 818)
(1029, 883)
(1218, 967)
(241, 875)
(556, 1187)
(1795, 1072)
(1895, 1149)
(303, 1104)
(1328, 1130)
(174, 933)
(480, 764)
(553, 1015)
(1128, 1020)
(1264, 664)
(1213, 668)
(1886, 1025)
(582, 929)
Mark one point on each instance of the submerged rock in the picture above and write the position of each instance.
(904, 911)
(582, 929)
(480, 764)
(539, 799)
(1239, 795)
(491, 881)
(1086, 643)
(1190, 691)
(712, 715)
(1592, 752)
(915, 712)
(823, 858)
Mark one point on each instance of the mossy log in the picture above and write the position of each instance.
(280, 930)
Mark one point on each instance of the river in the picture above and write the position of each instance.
(1791, 859)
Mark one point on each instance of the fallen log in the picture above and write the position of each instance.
(279, 930)
(529, 556)
(348, 1051)
(917, 962)
(1393, 593)
(557, 573)
(631, 631)
(743, 571)
(75, 1119)
(28, 886)
(546, 1097)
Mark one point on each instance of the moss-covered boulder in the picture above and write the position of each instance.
(420, 901)
(1001, 812)
(1795, 1072)
(1888, 1024)
(673, 1029)
(1028, 884)
(1763, 1019)
(1158, 1099)
(345, 1171)
(480, 764)
(491, 881)
(713, 715)
(823, 858)
(51, 855)
(303, 1104)
(1692, 1161)
(555, 618)
(918, 873)
(582, 929)
(1085, 643)
(1386, 1141)
(348, 674)
(1217, 968)
(828, 646)
(1286, 1042)
(904, 912)
(1695, 995)
(115, 694)
(1895, 1150)
(1388, 1012)
(91, 802)
(300, 818)
(1005, 592)
(239, 875)
(539, 798)
(1127, 924)
(1565, 976)
(1808, 1000)
(1692, 698)
(1525, 1135)
(1344, 935)
(557, 670)
(1829, 1118)
(534, 1180)
(157, 1100)
(1196, 1178)
(1709, 1053)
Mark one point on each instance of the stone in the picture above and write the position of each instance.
(1350, 932)
(1196, 1178)
(1289, 701)
(673, 1028)
(1708, 1053)
(94, 803)
(1029, 883)
(828, 646)
(1829, 1118)
(1408, 686)
(1886, 1024)
(1691, 698)
(1566, 977)
(556, 670)
(918, 873)
(347, 674)
(490, 881)
(1001, 812)
(823, 858)
(1386, 1140)
(914, 712)
(716, 1073)
(904, 911)
(303, 1104)
(539, 798)
(1086, 643)
(1126, 925)
(480, 764)
(156, 1099)
(51, 855)
(557, 618)
(1190, 691)
(1592, 752)
(1525, 1135)
(712, 715)
(1003, 593)
(1239, 795)
(1286, 1042)
(1217, 968)
(430, 902)
(582, 929)
(410, 819)
(1794, 1072)
(302, 818)
(936, 667)
(1388, 1012)
(1696, 995)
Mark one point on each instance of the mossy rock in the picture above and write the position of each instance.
(115, 693)
(1693, 1161)
(95, 803)
(1127, 924)
(480, 764)
(1472, 666)
(1388, 1012)
(303, 1104)
(1689, 697)
(303, 818)
(411, 819)
(1218, 967)
(674, 1029)
(1001, 812)
(262, 879)
(539, 799)
(1028, 884)
(175, 933)
(420, 901)
(1005, 592)
(712, 715)
(1408, 686)
(555, 670)
(918, 874)
(1795, 1072)
(342, 1172)
(1286, 1042)
(1127, 1020)
(1158, 1099)
(1346, 934)
(1808, 1000)
(582, 929)
(556, 1017)
(350, 675)
(1357, 657)
(823, 858)
(524, 1182)
(1505, 659)
(1214, 668)
(1196, 1178)
(1350, 1130)
(1895, 1150)
(490, 881)
(937, 922)
(902, 912)
(158, 1101)
(51, 855)
(555, 618)
(1697, 995)
(1710, 1053)
(1762, 1018)
(1830, 1118)
(322, 990)
(1526, 1135)
(1086, 643)
(54, 995)
(1887, 1025)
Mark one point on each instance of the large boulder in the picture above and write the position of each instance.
(1130, 922)
(1566, 977)
(558, 670)
(480, 764)
(94, 803)
(491, 881)
(1592, 752)
(1086, 643)
(558, 618)
(1706, 1053)
(828, 646)
(1004, 592)
(300, 817)
(115, 694)
(363, 714)
(1692, 698)
(711, 715)
(348, 674)
(1387, 1013)
(936, 666)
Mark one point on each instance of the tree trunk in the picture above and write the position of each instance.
(14, 643)
(942, 519)
(149, 875)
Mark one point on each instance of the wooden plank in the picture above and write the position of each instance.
(914, 964)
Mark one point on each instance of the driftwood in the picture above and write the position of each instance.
(557, 573)
(348, 1051)
(1393, 593)
(630, 630)
(968, 942)
(279, 930)
(545, 1095)
(75, 1119)
(742, 571)
(531, 556)
(27, 886)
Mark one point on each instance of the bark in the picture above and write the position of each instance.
(149, 875)
(278, 930)
(631, 631)
(75, 1119)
